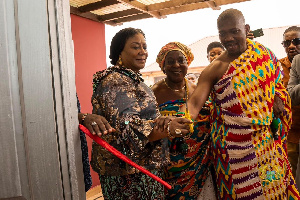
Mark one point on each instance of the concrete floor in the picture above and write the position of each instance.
(94, 193)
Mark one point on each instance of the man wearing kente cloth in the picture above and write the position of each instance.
(249, 159)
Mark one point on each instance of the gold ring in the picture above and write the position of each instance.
(94, 123)
(177, 131)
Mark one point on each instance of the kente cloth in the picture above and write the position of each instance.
(129, 105)
(286, 67)
(188, 172)
(249, 163)
(174, 46)
(136, 186)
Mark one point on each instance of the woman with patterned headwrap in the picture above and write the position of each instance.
(189, 170)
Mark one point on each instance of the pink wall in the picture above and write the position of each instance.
(89, 49)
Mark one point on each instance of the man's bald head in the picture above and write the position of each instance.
(233, 32)
(230, 14)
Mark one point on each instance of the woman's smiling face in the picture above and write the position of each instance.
(175, 66)
(134, 54)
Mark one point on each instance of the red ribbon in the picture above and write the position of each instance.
(114, 151)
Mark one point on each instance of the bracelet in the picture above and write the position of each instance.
(168, 131)
(83, 117)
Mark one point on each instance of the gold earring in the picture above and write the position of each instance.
(163, 69)
(120, 61)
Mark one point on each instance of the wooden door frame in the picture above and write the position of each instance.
(39, 140)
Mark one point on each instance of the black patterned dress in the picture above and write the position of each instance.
(128, 104)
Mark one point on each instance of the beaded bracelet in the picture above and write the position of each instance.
(168, 131)
(83, 117)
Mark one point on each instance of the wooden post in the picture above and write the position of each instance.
(39, 140)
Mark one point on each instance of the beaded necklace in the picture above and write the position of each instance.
(172, 88)
(179, 144)
(187, 113)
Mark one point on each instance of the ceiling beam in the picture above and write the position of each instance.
(97, 5)
(213, 5)
(88, 15)
(226, 2)
(185, 8)
(141, 7)
(141, 11)
(130, 18)
(171, 4)
(120, 14)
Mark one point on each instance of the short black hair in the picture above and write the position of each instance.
(230, 14)
(292, 28)
(214, 45)
(119, 40)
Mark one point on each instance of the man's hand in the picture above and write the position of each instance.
(278, 106)
(250, 35)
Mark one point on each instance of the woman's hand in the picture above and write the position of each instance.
(179, 127)
(97, 124)
(278, 106)
(165, 126)
(161, 123)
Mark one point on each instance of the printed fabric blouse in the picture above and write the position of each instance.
(129, 105)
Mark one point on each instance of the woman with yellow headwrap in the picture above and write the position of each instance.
(189, 170)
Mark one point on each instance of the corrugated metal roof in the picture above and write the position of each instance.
(116, 12)
(272, 39)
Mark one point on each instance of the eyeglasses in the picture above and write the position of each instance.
(287, 43)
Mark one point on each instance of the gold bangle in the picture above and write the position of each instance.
(168, 131)
(83, 117)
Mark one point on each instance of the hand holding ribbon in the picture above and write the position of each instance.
(114, 151)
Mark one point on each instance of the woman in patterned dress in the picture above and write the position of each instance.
(188, 171)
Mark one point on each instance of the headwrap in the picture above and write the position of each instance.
(174, 46)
